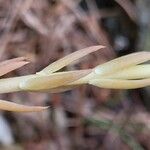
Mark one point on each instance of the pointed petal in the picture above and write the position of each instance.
(135, 72)
(122, 62)
(52, 81)
(12, 64)
(120, 84)
(69, 59)
(10, 106)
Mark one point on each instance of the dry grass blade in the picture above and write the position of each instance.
(38, 83)
(120, 84)
(135, 72)
(12, 64)
(69, 59)
(129, 8)
(122, 63)
(34, 22)
(10, 106)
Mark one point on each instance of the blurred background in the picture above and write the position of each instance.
(86, 118)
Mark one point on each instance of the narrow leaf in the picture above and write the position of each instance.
(10, 106)
(12, 64)
(122, 62)
(120, 84)
(69, 59)
(9, 85)
(85, 79)
(54, 80)
(135, 72)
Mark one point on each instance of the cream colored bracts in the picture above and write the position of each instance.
(126, 72)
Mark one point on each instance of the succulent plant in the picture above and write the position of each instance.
(126, 72)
